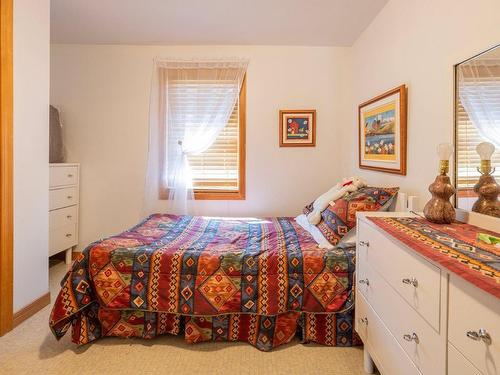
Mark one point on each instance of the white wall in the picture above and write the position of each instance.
(417, 43)
(103, 94)
(103, 91)
(31, 98)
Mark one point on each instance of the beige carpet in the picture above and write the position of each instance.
(31, 349)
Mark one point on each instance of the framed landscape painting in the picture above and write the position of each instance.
(298, 128)
(382, 132)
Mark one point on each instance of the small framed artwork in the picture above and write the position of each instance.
(298, 128)
(382, 132)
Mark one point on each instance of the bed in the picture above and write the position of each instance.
(262, 281)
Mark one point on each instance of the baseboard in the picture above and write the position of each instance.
(31, 309)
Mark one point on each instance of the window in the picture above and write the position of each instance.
(218, 172)
(467, 158)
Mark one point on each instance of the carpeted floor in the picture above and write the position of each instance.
(31, 349)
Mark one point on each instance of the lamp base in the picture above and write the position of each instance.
(487, 190)
(439, 209)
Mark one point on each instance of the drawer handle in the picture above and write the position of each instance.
(70, 175)
(482, 334)
(364, 243)
(412, 337)
(473, 335)
(363, 320)
(365, 281)
(68, 234)
(69, 217)
(69, 197)
(411, 281)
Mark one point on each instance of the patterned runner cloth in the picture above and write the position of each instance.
(454, 246)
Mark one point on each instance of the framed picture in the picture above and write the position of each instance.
(298, 128)
(382, 132)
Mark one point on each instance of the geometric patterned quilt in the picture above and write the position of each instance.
(454, 246)
(199, 274)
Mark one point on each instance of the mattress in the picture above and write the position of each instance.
(254, 280)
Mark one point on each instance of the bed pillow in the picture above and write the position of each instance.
(314, 232)
(338, 219)
(350, 239)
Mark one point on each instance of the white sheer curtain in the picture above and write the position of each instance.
(479, 91)
(190, 103)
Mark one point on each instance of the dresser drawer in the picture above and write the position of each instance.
(62, 238)
(425, 347)
(63, 216)
(59, 198)
(458, 364)
(63, 175)
(471, 309)
(388, 355)
(414, 278)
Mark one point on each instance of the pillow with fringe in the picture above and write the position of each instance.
(338, 219)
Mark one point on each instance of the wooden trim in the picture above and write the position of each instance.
(403, 106)
(162, 116)
(455, 133)
(218, 195)
(308, 111)
(6, 165)
(243, 139)
(31, 309)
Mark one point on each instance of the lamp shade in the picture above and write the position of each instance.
(485, 150)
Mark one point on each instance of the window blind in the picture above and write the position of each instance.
(467, 139)
(217, 168)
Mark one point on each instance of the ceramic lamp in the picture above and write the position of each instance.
(485, 150)
(439, 208)
(486, 188)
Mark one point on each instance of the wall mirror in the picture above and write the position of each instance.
(477, 133)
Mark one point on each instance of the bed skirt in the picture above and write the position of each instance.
(263, 332)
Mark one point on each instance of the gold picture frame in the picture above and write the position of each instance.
(297, 128)
(382, 125)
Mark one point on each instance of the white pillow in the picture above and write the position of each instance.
(348, 185)
(314, 232)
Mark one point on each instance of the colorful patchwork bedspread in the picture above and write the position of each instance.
(254, 280)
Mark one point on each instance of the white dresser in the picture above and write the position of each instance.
(416, 317)
(63, 208)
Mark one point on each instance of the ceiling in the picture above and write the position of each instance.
(259, 22)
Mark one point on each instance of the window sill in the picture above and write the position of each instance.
(219, 195)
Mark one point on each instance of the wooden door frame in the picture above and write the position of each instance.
(6, 166)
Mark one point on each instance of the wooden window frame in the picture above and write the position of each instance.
(6, 167)
(240, 194)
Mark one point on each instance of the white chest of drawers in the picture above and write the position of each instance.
(64, 200)
(416, 317)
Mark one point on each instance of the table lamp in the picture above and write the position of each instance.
(439, 209)
(486, 188)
